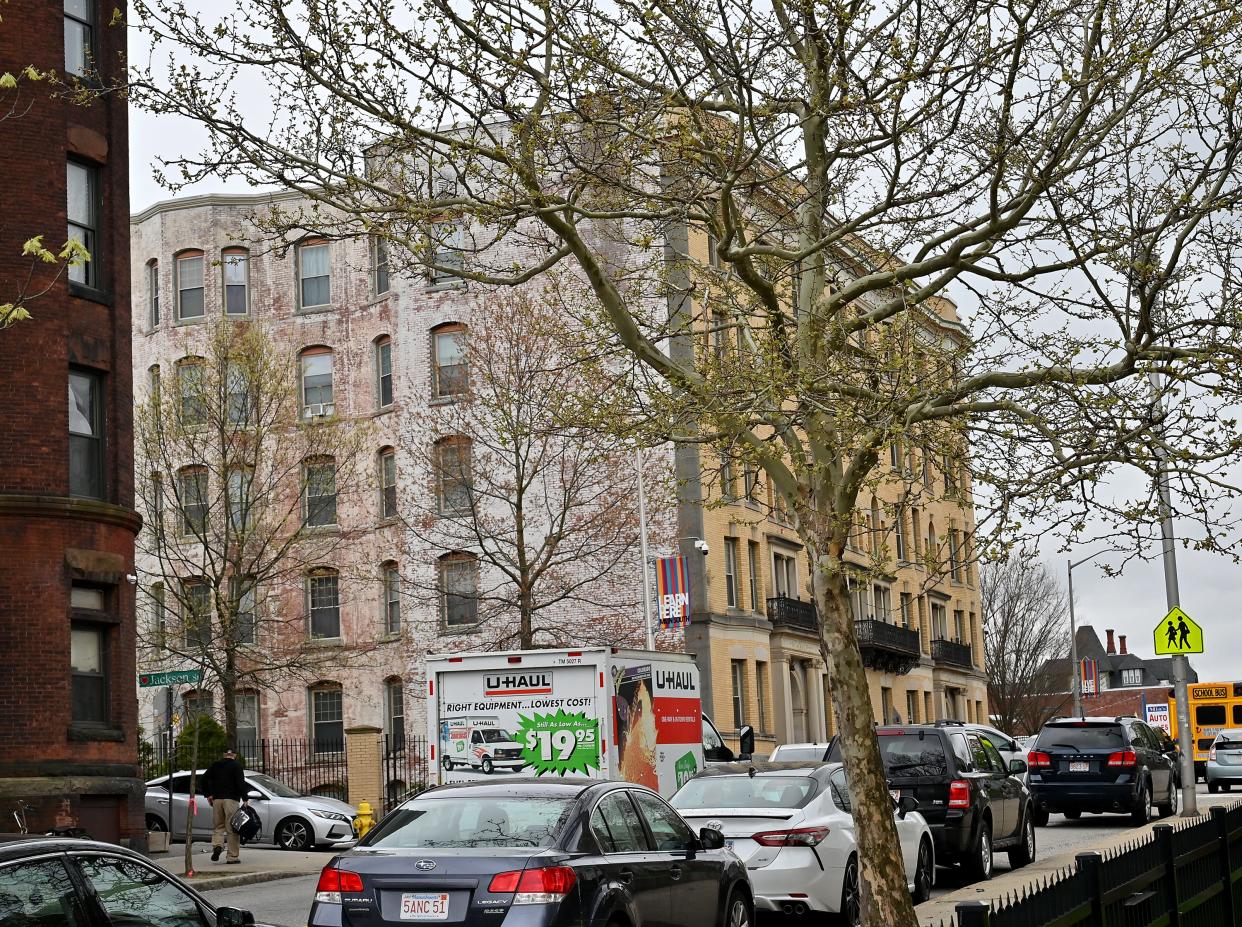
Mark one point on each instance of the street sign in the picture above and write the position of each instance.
(1177, 633)
(1158, 715)
(170, 678)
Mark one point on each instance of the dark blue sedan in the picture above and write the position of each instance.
(535, 853)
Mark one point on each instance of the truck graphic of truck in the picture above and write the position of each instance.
(478, 743)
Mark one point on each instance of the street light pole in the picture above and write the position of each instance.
(1074, 668)
(642, 542)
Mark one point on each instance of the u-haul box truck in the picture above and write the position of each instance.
(603, 712)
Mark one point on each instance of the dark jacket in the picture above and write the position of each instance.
(225, 779)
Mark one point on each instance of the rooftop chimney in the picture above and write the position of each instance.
(1122, 639)
(1112, 648)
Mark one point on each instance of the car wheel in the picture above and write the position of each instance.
(155, 824)
(1142, 810)
(851, 899)
(1039, 817)
(1169, 809)
(294, 834)
(487, 765)
(924, 873)
(1213, 788)
(1024, 852)
(978, 865)
(446, 763)
(1072, 815)
(737, 911)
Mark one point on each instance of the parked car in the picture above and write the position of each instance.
(974, 802)
(797, 753)
(554, 853)
(1100, 765)
(1224, 762)
(289, 819)
(792, 825)
(1008, 747)
(76, 883)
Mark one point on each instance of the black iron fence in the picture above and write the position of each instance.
(1184, 876)
(947, 651)
(309, 766)
(406, 769)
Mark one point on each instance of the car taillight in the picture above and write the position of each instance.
(959, 794)
(1212, 753)
(1123, 758)
(799, 837)
(534, 886)
(1037, 759)
(333, 881)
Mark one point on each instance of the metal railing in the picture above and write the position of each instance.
(307, 766)
(873, 633)
(793, 613)
(955, 652)
(407, 768)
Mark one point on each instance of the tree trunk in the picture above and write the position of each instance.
(526, 609)
(885, 898)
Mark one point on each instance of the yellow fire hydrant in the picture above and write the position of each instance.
(364, 820)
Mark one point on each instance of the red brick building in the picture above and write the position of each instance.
(68, 726)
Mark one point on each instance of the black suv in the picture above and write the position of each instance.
(972, 800)
(1101, 764)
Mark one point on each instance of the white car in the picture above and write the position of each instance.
(799, 753)
(791, 824)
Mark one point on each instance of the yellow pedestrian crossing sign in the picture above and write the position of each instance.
(1178, 633)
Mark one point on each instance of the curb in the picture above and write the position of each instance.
(212, 883)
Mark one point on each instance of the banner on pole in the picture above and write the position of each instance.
(1090, 676)
(672, 592)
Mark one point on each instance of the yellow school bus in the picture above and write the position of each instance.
(1213, 707)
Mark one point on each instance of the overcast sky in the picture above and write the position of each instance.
(1211, 586)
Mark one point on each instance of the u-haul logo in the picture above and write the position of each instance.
(518, 684)
(680, 680)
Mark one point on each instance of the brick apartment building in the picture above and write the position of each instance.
(68, 726)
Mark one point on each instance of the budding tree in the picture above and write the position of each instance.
(535, 507)
(810, 182)
(239, 493)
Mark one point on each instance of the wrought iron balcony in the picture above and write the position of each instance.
(887, 647)
(793, 613)
(953, 652)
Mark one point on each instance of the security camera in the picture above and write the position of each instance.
(701, 546)
(131, 578)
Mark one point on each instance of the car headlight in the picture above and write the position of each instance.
(329, 815)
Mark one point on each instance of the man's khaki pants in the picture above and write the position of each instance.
(221, 810)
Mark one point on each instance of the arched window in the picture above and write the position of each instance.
(236, 269)
(323, 604)
(246, 710)
(319, 491)
(459, 590)
(318, 398)
(154, 392)
(196, 613)
(326, 704)
(383, 372)
(192, 500)
(191, 391)
(153, 293)
(449, 373)
(387, 467)
(379, 261)
(189, 267)
(452, 460)
(390, 591)
(314, 273)
(159, 616)
(394, 713)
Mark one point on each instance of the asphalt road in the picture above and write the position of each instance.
(286, 903)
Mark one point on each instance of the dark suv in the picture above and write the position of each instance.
(972, 800)
(1098, 765)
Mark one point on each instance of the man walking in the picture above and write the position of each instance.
(224, 783)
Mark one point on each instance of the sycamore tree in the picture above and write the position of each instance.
(809, 184)
(1025, 626)
(534, 510)
(239, 490)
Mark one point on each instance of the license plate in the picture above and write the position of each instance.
(424, 906)
(1079, 766)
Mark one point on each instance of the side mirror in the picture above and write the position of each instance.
(255, 796)
(711, 838)
(746, 742)
(906, 804)
(1017, 767)
(233, 917)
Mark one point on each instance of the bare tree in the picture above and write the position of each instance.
(806, 182)
(1025, 626)
(239, 490)
(534, 508)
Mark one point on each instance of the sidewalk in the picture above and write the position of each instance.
(258, 864)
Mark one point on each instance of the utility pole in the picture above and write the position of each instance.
(642, 536)
(1075, 670)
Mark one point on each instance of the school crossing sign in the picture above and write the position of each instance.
(1177, 633)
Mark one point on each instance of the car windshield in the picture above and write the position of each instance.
(745, 792)
(799, 753)
(915, 754)
(495, 736)
(511, 821)
(275, 786)
(1080, 737)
